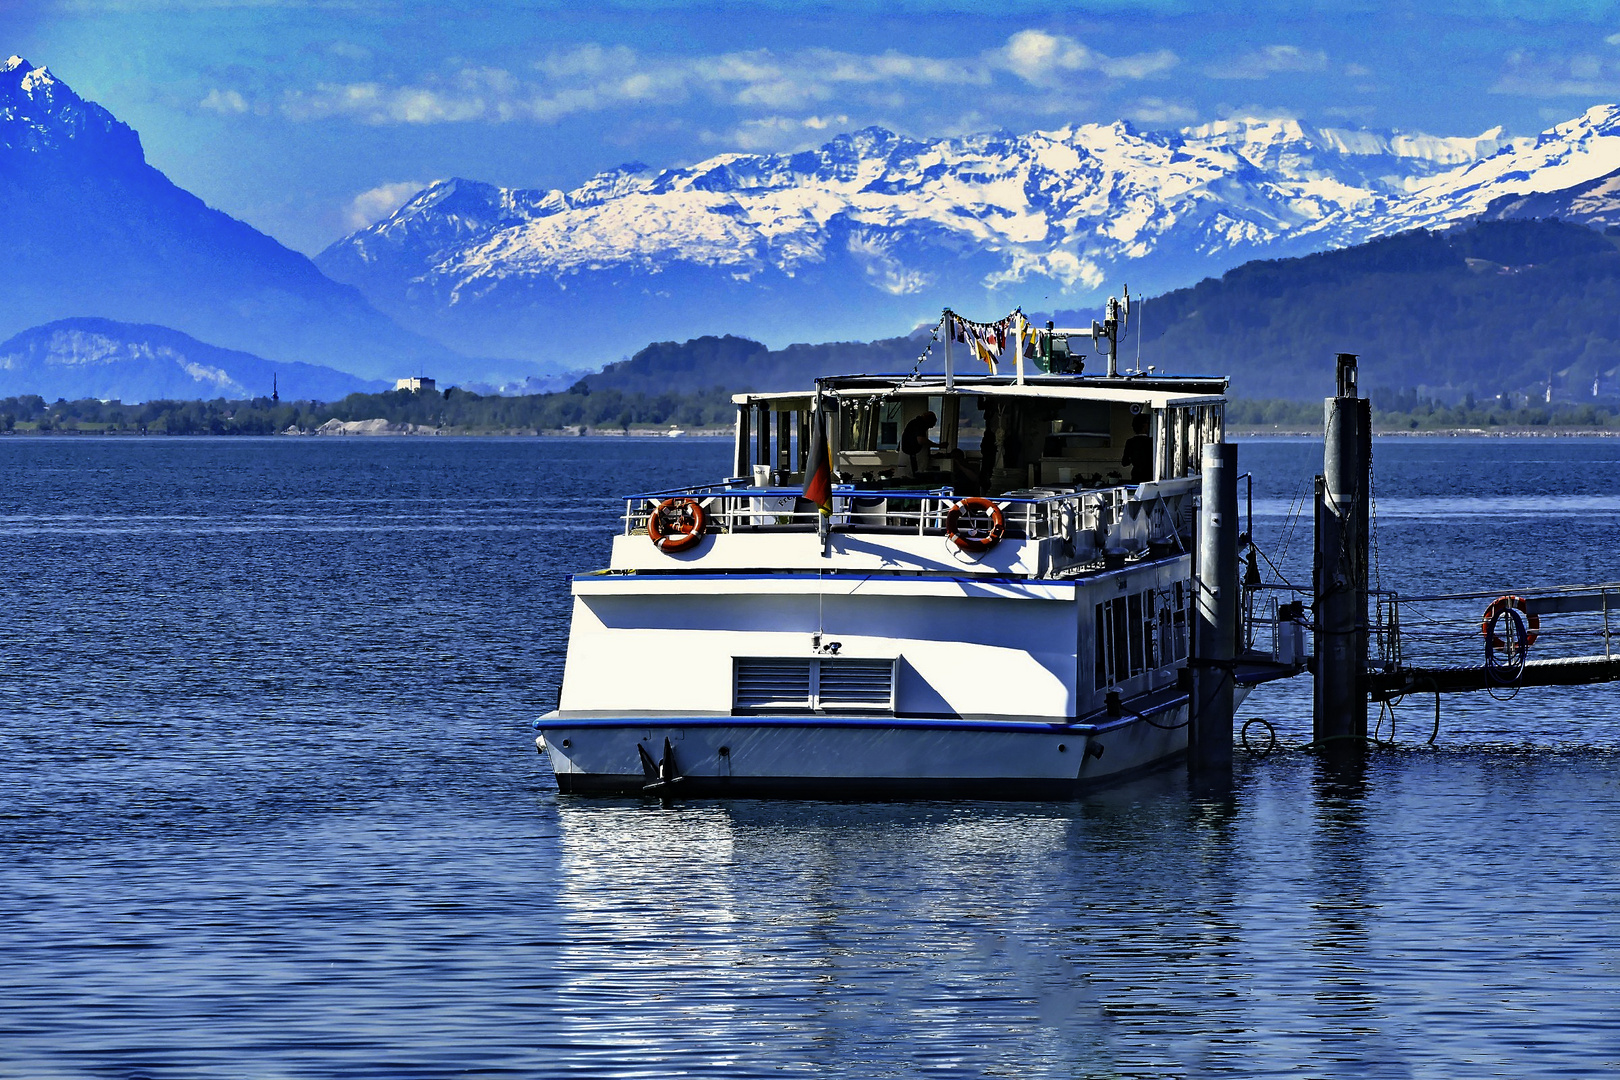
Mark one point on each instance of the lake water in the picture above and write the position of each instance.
(270, 807)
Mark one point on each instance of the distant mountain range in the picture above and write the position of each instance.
(92, 230)
(1498, 307)
(735, 364)
(1594, 203)
(871, 233)
(875, 231)
(100, 358)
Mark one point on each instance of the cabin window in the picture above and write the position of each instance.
(1141, 632)
(888, 425)
(813, 685)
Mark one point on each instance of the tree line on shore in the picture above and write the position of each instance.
(453, 410)
(612, 410)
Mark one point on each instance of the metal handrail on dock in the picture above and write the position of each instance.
(1457, 650)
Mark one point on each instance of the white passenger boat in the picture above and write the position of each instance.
(1003, 614)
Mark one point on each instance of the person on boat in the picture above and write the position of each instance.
(1139, 451)
(915, 443)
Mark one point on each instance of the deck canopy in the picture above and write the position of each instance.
(986, 434)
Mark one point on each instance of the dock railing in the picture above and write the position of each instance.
(1554, 623)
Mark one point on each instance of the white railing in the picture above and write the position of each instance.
(1097, 522)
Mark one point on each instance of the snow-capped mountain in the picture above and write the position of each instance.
(874, 231)
(1595, 203)
(99, 358)
(92, 230)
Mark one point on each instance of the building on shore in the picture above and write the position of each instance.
(417, 384)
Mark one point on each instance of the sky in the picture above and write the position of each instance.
(311, 118)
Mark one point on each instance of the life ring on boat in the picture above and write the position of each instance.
(975, 524)
(676, 524)
(1532, 621)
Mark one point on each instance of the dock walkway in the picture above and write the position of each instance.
(1562, 671)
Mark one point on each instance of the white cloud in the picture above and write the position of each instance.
(1154, 110)
(471, 94)
(1271, 60)
(1582, 75)
(593, 78)
(1360, 114)
(370, 207)
(1612, 39)
(1044, 59)
(590, 59)
(777, 133)
(224, 102)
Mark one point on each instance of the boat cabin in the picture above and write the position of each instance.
(985, 436)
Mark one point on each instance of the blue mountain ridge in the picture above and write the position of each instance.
(92, 229)
(130, 362)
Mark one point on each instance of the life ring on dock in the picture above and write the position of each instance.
(975, 524)
(1532, 621)
(676, 524)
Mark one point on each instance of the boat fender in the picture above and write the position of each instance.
(1532, 621)
(676, 524)
(1094, 750)
(975, 524)
(539, 744)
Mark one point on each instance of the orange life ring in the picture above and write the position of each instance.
(676, 524)
(975, 524)
(1532, 621)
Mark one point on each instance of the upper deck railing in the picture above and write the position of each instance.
(1093, 523)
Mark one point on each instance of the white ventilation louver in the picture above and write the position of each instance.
(856, 684)
(772, 685)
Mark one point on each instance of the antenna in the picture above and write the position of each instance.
(1113, 324)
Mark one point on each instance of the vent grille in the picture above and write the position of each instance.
(773, 684)
(856, 684)
(778, 685)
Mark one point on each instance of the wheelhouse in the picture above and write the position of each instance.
(991, 436)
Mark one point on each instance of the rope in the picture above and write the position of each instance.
(1291, 522)
(1515, 647)
(1162, 727)
(1274, 569)
(1271, 737)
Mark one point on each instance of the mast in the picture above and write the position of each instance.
(1109, 329)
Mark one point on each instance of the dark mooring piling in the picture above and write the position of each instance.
(1209, 737)
(1340, 580)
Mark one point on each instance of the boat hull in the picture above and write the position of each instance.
(857, 757)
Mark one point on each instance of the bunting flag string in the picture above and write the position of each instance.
(989, 341)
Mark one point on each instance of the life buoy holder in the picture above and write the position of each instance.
(1532, 621)
(676, 524)
(975, 524)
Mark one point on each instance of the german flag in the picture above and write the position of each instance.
(818, 469)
